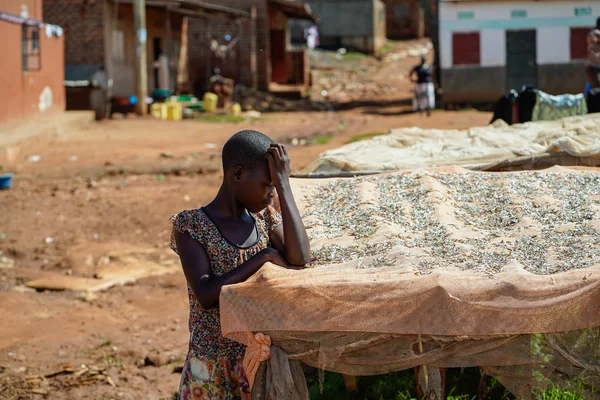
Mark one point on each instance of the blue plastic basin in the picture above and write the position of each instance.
(5, 181)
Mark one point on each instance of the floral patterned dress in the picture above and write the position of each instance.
(213, 368)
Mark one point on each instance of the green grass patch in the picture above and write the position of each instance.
(322, 139)
(388, 47)
(233, 119)
(557, 394)
(461, 383)
(353, 56)
(364, 136)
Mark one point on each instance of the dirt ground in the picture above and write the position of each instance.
(100, 197)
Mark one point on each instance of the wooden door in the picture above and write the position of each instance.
(521, 65)
(278, 67)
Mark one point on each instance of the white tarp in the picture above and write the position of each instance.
(409, 148)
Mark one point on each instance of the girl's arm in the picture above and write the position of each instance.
(410, 75)
(291, 238)
(196, 267)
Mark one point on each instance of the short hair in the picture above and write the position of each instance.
(598, 23)
(246, 148)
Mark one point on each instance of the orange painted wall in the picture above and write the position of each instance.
(20, 90)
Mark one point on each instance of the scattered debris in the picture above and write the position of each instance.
(161, 358)
(210, 145)
(49, 240)
(86, 375)
(114, 268)
(155, 360)
(254, 100)
(67, 369)
(22, 289)
(34, 159)
(73, 158)
(5, 262)
(167, 154)
(252, 114)
(88, 297)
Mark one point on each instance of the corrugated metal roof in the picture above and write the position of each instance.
(189, 7)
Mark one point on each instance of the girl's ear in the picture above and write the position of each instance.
(237, 173)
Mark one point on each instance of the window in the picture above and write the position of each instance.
(465, 48)
(30, 47)
(579, 43)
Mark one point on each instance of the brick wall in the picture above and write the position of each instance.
(83, 24)
(237, 64)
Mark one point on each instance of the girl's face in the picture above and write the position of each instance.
(254, 188)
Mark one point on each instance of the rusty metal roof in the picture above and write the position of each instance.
(296, 9)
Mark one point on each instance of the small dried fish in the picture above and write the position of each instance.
(493, 204)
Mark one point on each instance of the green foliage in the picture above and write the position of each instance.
(461, 384)
(557, 394)
(388, 47)
(233, 119)
(364, 136)
(353, 56)
(322, 139)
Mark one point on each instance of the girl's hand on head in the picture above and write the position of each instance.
(279, 164)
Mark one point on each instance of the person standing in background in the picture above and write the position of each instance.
(593, 65)
(312, 37)
(424, 99)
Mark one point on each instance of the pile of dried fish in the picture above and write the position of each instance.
(335, 203)
(543, 220)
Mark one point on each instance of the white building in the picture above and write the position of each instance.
(488, 47)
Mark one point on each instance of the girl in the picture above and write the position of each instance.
(225, 243)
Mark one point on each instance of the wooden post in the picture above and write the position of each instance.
(141, 76)
(182, 70)
(169, 47)
(111, 11)
(253, 47)
(421, 23)
(207, 55)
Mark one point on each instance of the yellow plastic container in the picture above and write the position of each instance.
(210, 101)
(174, 111)
(159, 110)
(236, 109)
